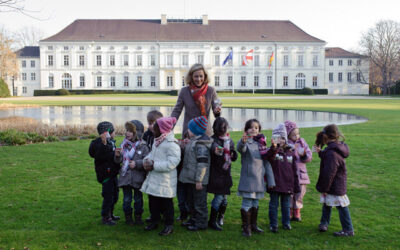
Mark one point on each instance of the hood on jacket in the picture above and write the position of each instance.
(340, 148)
(204, 139)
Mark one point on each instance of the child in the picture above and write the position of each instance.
(220, 181)
(252, 147)
(303, 156)
(160, 183)
(104, 153)
(132, 173)
(195, 172)
(332, 180)
(283, 161)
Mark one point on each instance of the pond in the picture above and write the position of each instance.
(92, 115)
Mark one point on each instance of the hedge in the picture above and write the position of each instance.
(278, 91)
(4, 90)
(55, 92)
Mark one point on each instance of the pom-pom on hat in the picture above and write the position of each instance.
(290, 126)
(166, 124)
(198, 125)
(280, 130)
(105, 126)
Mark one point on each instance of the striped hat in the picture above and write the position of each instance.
(198, 125)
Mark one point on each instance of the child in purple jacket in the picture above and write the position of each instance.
(303, 156)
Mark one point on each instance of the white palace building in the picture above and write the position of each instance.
(155, 55)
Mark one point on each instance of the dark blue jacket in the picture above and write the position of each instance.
(104, 161)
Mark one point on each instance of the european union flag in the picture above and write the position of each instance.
(229, 57)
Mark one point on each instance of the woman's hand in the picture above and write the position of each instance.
(217, 110)
(199, 186)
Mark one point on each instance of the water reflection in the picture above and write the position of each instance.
(91, 115)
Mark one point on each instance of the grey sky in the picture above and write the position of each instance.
(339, 22)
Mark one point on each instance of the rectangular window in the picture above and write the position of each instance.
(185, 60)
(358, 62)
(23, 64)
(152, 81)
(256, 60)
(169, 81)
(183, 81)
(126, 81)
(66, 48)
(230, 81)
(286, 60)
(33, 76)
(349, 77)
(330, 77)
(112, 60)
(340, 63)
(216, 60)
(23, 77)
(98, 81)
(200, 59)
(358, 77)
(32, 63)
(126, 60)
(139, 60)
(24, 90)
(349, 62)
(315, 81)
(243, 81)
(81, 47)
(330, 62)
(315, 61)
(98, 60)
(300, 60)
(66, 60)
(285, 81)
(269, 81)
(51, 81)
(50, 47)
(216, 81)
(170, 61)
(152, 60)
(112, 81)
(81, 60)
(50, 60)
(82, 81)
(139, 81)
(340, 77)
(256, 79)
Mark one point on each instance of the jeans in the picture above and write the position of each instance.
(182, 198)
(273, 208)
(219, 199)
(248, 203)
(110, 196)
(197, 200)
(164, 206)
(137, 197)
(344, 216)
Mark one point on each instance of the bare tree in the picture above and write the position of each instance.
(8, 59)
(382, 44)
(17, 6)
(28, 36)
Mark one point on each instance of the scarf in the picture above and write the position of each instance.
(262, 145)
(128, 151)
(227, 152)
(199, 97)
(160, 139)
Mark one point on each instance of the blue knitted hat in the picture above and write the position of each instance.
(198, 125)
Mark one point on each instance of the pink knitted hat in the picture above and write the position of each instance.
(290, 126)
(166, 124)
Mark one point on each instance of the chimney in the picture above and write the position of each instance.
(205, 19)
(163, 19)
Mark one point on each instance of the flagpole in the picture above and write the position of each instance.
(253, 72)
(233, 75)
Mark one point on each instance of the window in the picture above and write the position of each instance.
(256, 78)
(300, 81)
(139, 60)
(340, 77)
(300, 60)
(23, 64)
(152, 81)
(243, 81)
(98, 81)
(33, 76)
(330, 62)
(126, 81)
(66, 60)
(112, 81)
(81, 47)
(66, 81)
(340, 63)
(32, 63)
(24, 90)
(256, 60)
(98, 60)
(269, 81)
(23, 77)
(286, 60)
(112, 60)
(315, 81)
(126, 60)
(216, 61)
(81, 60)
(358, 77)
(200, 59)
(51, 81)
(285, 81)
(169, 81)
(230, 81)
(349, 77)
(66, 48)
(358, 62)
(50, 60)
(98, 48)
(185, 60)
(349, 62)
(183, 81)
(82, 81)
(50, 47)
(170, 61)
(315, 61)
(153, 60)
(139, 81)
(216, 81)
(330, 77)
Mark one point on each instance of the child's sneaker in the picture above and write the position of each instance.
(344, 234)
(287, 227)
(108, 221)
(322, 228)
(273, 229)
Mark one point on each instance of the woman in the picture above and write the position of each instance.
(197, 98)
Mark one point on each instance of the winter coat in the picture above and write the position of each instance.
(254, 168)
(332, 170)
(135, 177)
(302, 160)
(106, 165)
(196, 160)
(283, 162)
(220, 180)
(185, 100)
(162, 180)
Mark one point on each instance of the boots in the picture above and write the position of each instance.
(138, 219)
(114, 217)
(183, 216)
(212, 223)
(246, 227)
(296, 214)
(221, 214)
(107, 220)
(254, 214)
(128, 219)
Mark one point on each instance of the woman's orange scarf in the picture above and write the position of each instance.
(199, 97)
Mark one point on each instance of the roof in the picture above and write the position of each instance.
(28, 51)
(336, 52)
(111, 30)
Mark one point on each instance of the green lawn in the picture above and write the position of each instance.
(50, 198)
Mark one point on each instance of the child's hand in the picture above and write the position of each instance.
(273, 143)
(118, 152)
(219, 150)
(315, 148)
(324, 194)
(199, 186)
(132, 164)
(103, 137)
(244, 138)
(300, 150)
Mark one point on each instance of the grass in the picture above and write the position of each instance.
(50, 198)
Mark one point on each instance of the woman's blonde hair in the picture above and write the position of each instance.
(194, 68)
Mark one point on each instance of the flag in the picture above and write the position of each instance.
(271, 58)
(247, 57)
(228, 58)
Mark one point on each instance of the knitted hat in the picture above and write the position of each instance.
(105, 126)
(139, 128)
(280, 130)
(166, 124)
(290, 126)
(198, 125)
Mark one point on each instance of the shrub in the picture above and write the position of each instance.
(307, 91)
(4, 91)
(62, 92)
(12, 137)
(51, 138)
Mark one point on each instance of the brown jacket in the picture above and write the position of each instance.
(185, 100)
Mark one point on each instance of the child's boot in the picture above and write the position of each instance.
(138, 219)
(212, 223)
(114, 217)
(128, 219)
(246, 227)
(254, 214)
(296, 214)
(221, 214)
